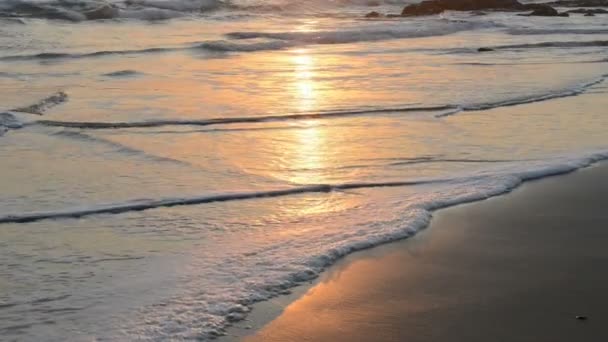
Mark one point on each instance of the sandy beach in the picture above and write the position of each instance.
(518, 267)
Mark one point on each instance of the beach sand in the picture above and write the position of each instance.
(518, 267)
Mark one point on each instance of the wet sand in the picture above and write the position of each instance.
(518, 267)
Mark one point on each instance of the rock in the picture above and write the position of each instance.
(544, 10)
(484, 49)
(430, 7)
(373, 14)
(589, 14)
(581, 318)
(103, 12)
(392, 15)
(423, 8)
(579, 3)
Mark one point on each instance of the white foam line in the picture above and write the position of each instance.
(417, 219)
(233, 120)
(172, 202)
(576, 90)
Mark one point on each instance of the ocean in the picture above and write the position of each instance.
(163, 169)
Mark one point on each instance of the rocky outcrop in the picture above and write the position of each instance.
(430, 7)
(543, 10)
(423, 8)
(373, 14)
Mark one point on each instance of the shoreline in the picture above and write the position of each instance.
(271, 320)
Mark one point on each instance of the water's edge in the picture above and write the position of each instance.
(266, 311)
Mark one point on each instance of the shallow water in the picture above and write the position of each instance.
(199, 164)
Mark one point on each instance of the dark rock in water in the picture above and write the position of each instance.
(392, 15)
(103, 12)
(589, 14)
(430, 7)
(579, 3)
(479, 13)
(543, 10)
(373, 14)
(581, 318)
(423, 8)
(484, 49)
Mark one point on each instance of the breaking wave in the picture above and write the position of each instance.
(567, 92)
(250, 41)
(557, 44)
(14, 118)
(225, 197)
(9, 121)
(445, 110)
(233, 120)
(537, 31)
(81, 10)
(43, 105)
(62, 55)
(441, 27)
(204, 315)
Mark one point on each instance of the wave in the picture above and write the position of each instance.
(532, 31)
(567, 92)
(557, 44)
(233, 120)
(43, 105)
(81, 10)
(592, 61)
(446, 110)
(118, 147)
(15, 118)
(438, 28)
(64, 55)
(217, 46)
(140, 205)
(220, 304)
(402, 162)
(122, 73)
(241, 41)
(304, 265)
(9, 121)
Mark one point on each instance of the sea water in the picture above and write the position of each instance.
(166, 167)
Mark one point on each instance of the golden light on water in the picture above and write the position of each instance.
(309, 155)
(304, 82)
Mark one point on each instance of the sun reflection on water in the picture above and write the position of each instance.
(304, 83)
